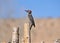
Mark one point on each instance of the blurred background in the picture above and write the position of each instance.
(46, 14)
(40, 8)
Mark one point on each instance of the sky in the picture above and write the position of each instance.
(40, 8)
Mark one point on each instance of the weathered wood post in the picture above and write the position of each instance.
(15, 35)
(42, 41)
(27, 34)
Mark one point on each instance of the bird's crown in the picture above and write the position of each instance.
(28, 11)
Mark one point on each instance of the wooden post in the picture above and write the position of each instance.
(42, 41)
(27, 34)
(15, 35)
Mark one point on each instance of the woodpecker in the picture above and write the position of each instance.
(31, 19)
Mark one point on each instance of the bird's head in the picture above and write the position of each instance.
(28, 11)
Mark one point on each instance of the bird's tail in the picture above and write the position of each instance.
(34, 25)
(31, 26)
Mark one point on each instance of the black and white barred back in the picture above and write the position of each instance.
(31, 19)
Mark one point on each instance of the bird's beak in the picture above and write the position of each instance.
(26, 10)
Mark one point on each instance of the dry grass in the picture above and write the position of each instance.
(47, 30)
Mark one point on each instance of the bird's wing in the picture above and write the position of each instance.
(31, 19)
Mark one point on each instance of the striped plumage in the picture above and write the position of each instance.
(31, 19)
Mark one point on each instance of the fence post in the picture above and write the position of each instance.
(27, 36)
(42, 41)
(15, 35)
